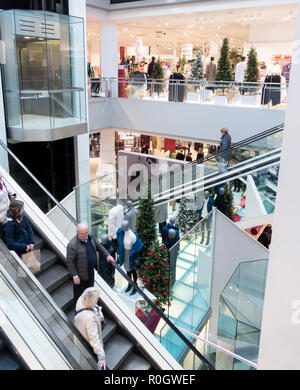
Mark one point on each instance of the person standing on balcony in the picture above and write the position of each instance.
(211, 70)
(240, 73)
(151, 68)
(82, 259)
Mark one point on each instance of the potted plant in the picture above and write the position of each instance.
(224, 73)
(252, 75)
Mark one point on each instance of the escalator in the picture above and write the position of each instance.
(9, 358)
(127, 344)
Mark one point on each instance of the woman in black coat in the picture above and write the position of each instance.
(18, 232)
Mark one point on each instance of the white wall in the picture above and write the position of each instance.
(231, 247)
(3, 155)
(254, 206)
(280, 335)
(182, 120)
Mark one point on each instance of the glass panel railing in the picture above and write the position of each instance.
(190, 278)
(220, 353)
(249, 94)
(55, 319)
(241, 304)
(36, 191)
(266, 183)
(142, 303)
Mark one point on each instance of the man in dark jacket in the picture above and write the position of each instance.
(225, 144)
(82, 259)
(151, 68)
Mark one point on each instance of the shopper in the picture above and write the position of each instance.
(200, 156)
(225, 144)
(151, 68)
(240, 73)
(88, 320)
(18, 233)
(189, 157)
(4, 205)
(180, 155)
(82, 259)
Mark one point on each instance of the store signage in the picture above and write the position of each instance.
(187, 51)
(281, 57)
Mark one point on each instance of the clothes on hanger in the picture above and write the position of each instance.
(271, 90)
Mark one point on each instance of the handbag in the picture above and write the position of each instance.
(32, 260)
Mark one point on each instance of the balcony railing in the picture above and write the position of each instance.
(204, 92)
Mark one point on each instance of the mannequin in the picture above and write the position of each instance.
(161, 215)
(129, 247)
(220, 200)
(271, 90)
(107, 270)
(166, 229)
(115, 219)
(131, 215)
(286, 70)
(172, 239)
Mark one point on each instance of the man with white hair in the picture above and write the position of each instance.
(82, 259)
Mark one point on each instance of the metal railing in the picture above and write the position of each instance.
(229, 93)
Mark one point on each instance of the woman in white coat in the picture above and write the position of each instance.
(88, 321)
(4, 205)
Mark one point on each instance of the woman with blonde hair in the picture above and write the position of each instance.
(88, 321)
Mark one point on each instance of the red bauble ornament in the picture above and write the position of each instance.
(158, 275)
(147, 283)
(153, 266)
(225, 201)
(154, 289)
(158, 258)
(166, 281)
(164, 265)
(164, 293)
(146, 268)
(162, 247)
(153, 250)
(148, 254)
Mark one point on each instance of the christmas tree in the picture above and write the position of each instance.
(224, 70)
(187, 214)
(182, 64)
(90, 70)
(197, 69)
(252, 72)
(228, 199)
(146, 225)
(158, 74)
(155, 273)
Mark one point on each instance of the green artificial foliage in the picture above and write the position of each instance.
(197, 68)
(224, 70)
(182, 63)
(155, 273)
(229, 209)
(252, 71)
(158, 74)
(90, 70)
(187, 216)
(146, 225)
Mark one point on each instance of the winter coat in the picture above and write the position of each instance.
(224, 145)
(151, 69)
(220, 203)
(165, 231)
(210, 205)
(4, 203)
(18, 235)
(76, 256)
(134, 255)
(89, 325)
(211, 70)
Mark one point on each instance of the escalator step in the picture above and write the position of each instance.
(2, 345)
(7, 361)
(48, 258)
(109, 329)
(117, 350)
(39, 242)
(63, 295)
(53, 277)
(135, 362)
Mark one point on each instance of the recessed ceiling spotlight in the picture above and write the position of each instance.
(219, 27)
(125, 29)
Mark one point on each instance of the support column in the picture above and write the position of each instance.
(280, 333)
(108, 146)
(81, 144)
(109, 52)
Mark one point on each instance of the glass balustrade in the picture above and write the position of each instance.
(266, 183)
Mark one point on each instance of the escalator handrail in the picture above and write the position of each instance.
(215, 182)
(39, 319)
(48, 297)
(217, 173)
(57, 203)
(236, 145)
(164, 317)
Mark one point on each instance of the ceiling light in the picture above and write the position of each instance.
(219, 27)
(125, 29)
(201, 27)
(27, 37)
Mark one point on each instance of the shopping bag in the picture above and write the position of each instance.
(32, 260)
